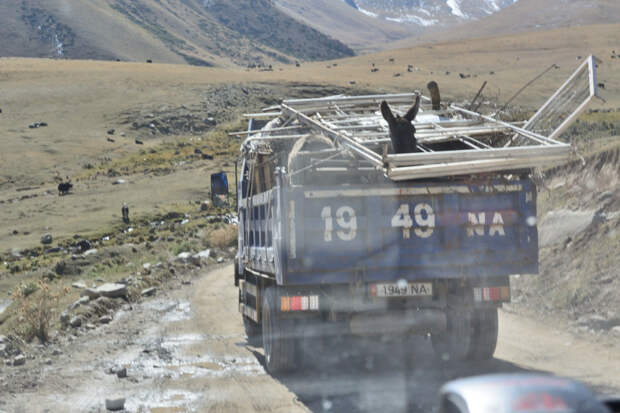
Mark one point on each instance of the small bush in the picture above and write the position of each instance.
(225, 236)
(35, 311)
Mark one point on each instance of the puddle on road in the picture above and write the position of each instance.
(172, 310)
(162, 400)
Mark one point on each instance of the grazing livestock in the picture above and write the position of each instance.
(64, 188)
(601, 85)
(139, 142)
(111, 140)
(125, 212)
(402, 132)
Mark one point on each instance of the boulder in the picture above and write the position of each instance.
(79, 285)
(76, 321)
(148, 292)
(19, 360)
(91, 293)
(184, 256)
(106, 319)
(91, 251)
(47, 239)
(112, 290)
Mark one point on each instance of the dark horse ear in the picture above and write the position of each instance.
(387, 113)
(413, 112)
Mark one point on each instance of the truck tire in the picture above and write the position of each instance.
(253, 331)
(278, 343)
(485, 333)
(455, 344)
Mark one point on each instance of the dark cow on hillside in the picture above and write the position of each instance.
(64, 188)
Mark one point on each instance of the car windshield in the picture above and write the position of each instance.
(309, 205)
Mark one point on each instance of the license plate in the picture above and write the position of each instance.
(401, 289)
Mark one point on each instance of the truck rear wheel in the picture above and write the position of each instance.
(456, 343)
(278, 340)
(486, 329)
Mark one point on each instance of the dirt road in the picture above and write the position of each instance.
(186, 350)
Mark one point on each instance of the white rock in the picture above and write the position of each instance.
(203, 255)
(558, 225)
(148, 292)
(112, 290)
(19, 360)
(105, 319)
(90, 252)
(184, 256)
(79, 285)
(146, 265)
(91, 293)
(616, 331)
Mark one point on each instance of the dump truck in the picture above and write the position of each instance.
(338, 234)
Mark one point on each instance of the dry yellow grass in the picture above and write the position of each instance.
(82, 99)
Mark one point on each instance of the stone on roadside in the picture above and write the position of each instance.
(91, 293)
(3, 339)
(90, 326)
(91, 251)
(616, 331)
(105, 319)
(121, 373)
(220, 260)
(19, 360)
(75, 322)
(147, 292)
(184, 256)
(115, 404)
(112, 290)
(119, 182)
(79, 285)
(64, 318)
(47, 239)
(79, 302)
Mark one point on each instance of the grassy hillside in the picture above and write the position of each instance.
(341, 21)
(169, 31)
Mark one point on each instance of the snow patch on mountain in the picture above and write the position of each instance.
(413, 19)
(367, 12)
(424, 13)
(456, 8)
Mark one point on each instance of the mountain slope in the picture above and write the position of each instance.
(345, 23)
(529, 15)
(215, 32)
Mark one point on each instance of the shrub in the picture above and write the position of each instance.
(35, 311)
(225, 236)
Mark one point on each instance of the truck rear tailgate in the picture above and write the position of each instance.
(411, 231)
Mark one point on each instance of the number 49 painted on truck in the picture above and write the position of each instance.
(346, 220)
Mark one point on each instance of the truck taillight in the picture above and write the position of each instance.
(299, 303)
(491, 294)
